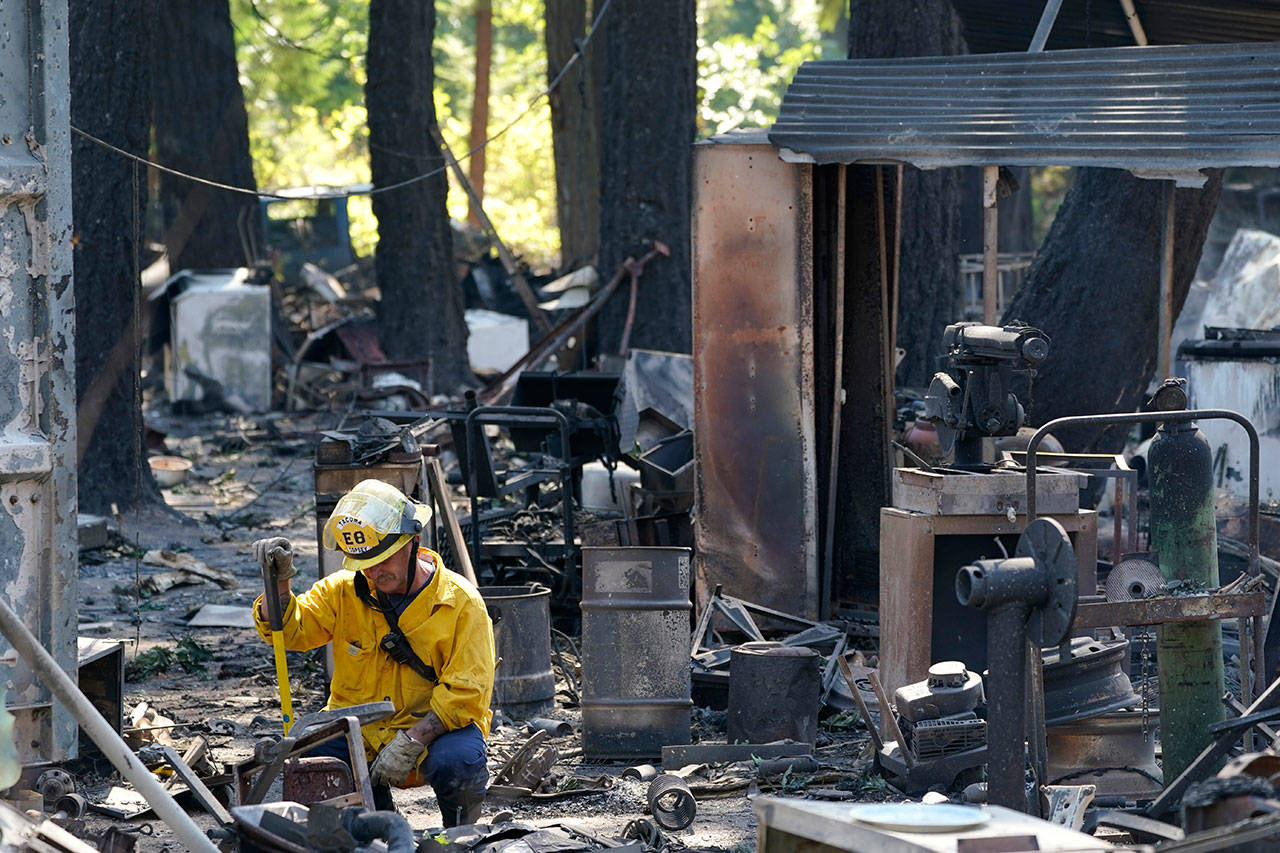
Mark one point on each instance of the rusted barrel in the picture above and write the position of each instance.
(635, 651)
(524, 685)
(774, 693)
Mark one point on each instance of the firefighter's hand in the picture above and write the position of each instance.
(275, 555)
(396, 761)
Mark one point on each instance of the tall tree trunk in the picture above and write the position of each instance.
(646, 160)
(929, 297)
(1094, 289)
(420, 315)
(480, 104)
(575, 133)
(108, 197)
(201, 128)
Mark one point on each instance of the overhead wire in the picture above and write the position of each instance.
(551, 87)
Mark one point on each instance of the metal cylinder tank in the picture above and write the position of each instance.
(775, 692)
(1184, 536)
(524, 685)
(635, 651)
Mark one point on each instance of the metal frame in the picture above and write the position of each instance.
(520, 416)
(1262, 650)
(1126, 479)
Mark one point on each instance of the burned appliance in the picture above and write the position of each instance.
(943, 736)
(972, 399)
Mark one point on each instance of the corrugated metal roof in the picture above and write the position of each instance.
(1157, 111)
(992, 26)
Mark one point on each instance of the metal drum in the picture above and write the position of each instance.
(523, 685)
(635, 651)
(774, 693)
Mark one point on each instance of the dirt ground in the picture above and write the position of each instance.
(253, 478)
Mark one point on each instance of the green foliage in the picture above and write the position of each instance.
(747, 54)
(846, 720)
(303, 70)
(189, 654)
(1049, 185)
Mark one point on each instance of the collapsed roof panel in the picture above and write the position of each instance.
(1156, 111)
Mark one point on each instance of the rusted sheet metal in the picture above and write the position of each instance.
(37, 412)
(1186, 608)
(756, 519)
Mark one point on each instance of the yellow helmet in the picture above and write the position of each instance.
(371, 522)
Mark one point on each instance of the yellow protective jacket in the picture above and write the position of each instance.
(447, 626)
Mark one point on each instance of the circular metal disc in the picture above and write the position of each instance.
(1135, 576)
(1046, 542)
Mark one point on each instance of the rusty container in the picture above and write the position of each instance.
(635, 651)
(524, 685)
(774, 693)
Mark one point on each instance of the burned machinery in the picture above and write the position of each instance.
(971, 399)
(944, 738)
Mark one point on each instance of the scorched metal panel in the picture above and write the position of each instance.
(755, 525)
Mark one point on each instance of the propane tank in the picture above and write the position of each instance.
(1184, 535)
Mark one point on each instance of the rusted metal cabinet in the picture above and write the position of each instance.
(756, 518)
(921, 621)
(37, 407)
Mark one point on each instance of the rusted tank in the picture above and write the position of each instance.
(635, 651)
(524, 685)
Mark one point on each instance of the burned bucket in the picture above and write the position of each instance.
(523, 685)
(775, 692)
(635, 651)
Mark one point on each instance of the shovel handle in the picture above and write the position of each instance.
(271, 595)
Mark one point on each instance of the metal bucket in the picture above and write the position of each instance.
(635, 651)
(775, 692)
(523, 685)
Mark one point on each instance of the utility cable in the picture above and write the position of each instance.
(375, 190)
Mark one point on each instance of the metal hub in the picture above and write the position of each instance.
(1046, 542)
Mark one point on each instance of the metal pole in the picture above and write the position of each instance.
(97, 727)
(1135, 24)
(1165, 357)
(1006, 706)
(990, 240)
(1046, 24)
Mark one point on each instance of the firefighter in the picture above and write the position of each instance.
(404, 629)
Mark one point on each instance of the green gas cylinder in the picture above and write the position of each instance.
(1184, 537)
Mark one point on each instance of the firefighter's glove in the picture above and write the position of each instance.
(396, 761)
(275, 555)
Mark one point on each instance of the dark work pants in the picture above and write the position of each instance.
(454, 768)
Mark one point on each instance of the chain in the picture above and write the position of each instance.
(1144, 654)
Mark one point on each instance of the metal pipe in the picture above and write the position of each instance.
(97, 727)
(1006, 706)
(990, 242)
(1007, 589)
(1135, 23)
(1164, 366)
(1047, 18)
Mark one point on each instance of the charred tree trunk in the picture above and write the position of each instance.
(420, 315)
(646, 163)
(480, 106)
(201, 128)
(929, 297)
(109, 194)
(575, 134)
(1094, 289)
